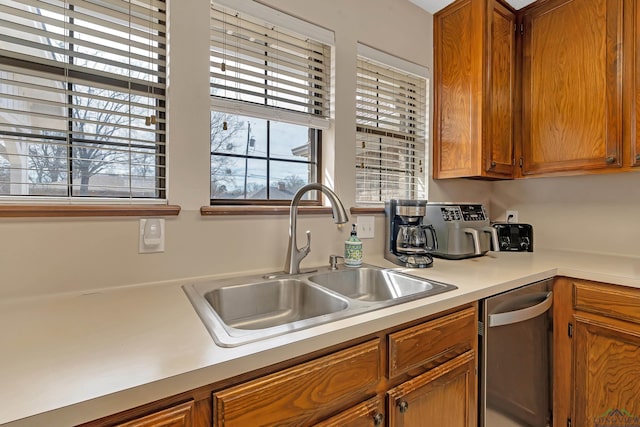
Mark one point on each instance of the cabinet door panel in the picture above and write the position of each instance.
(572, 79)
(618, 302)
(303, 394)
(176, 416)
(432, 342)
(500, 101)
(366, 414)
(606, 372)
(457, 127)
(635, 135)
(444, 396)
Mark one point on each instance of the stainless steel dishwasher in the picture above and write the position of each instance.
(515, 362)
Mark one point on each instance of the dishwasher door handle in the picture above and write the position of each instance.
(515, 316)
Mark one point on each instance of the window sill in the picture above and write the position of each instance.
(42, 211)
(367, 211)
(262, 210)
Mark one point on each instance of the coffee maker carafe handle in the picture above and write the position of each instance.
(495, 244)
(434, 239)
(476, 240)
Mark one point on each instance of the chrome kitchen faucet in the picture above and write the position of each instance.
(295, 255)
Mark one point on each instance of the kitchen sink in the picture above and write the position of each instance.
(266, 304)
(247, 309)
(374, 284)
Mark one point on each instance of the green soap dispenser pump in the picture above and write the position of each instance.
(353, 249)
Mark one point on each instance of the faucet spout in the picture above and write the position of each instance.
(295, 254)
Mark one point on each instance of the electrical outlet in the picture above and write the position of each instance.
(365, 226)
(512, 216)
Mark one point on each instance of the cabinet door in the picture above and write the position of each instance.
(499, 111)
(366, 414)
(606, 372)
(444, 396)
(458, 83)
(474, 63)
(635, 137)
(572, 80)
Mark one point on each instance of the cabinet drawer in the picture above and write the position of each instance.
(176, 416)
(618, 302)
(366, 414)
(303, 394)
(432, 342)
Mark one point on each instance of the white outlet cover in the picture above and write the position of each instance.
(151, 236)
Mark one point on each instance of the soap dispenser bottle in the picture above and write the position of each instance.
(353, 249)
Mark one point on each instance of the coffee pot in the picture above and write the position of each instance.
(414, 238)
(408, 239)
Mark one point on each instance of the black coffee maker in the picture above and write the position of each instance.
(408, 239)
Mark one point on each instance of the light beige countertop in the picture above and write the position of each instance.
(72, 358)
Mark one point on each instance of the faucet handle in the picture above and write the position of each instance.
(333, 261)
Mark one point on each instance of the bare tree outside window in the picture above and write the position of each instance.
(224, 128)
(82, 105)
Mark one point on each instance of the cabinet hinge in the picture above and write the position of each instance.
(570, 330)
(521, 162)
(522, 29)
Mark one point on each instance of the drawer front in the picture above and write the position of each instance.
(366, 414)
(303, 394)
(176, 416)
(432, 342)
(613, 301)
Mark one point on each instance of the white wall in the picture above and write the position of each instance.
(589, 213)
(57, 255)
(593, 213)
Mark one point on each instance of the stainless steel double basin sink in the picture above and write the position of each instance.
(243, 310)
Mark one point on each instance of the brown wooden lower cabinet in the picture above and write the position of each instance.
(597, 353)
(429, 364)
(444, 396)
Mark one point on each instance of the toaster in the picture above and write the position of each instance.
(514, 237)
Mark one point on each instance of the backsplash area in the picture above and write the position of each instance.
(592, 213)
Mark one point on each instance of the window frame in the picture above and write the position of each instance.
(314, 123)
(156, 89)
(402, 67)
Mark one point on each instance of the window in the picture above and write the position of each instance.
(269, 90)
(391, 108)
(82, 99)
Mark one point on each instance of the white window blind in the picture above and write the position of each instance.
(390, 133)
(267, 71)
(82, 98)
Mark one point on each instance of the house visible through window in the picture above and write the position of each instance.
(269, 90)
(391, 123)
(82, 98)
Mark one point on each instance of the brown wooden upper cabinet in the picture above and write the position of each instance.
(474, 62)
(633, 69)
(552, 89)
(572, 86)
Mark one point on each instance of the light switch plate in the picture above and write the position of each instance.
(151, 238)
(366, 226)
